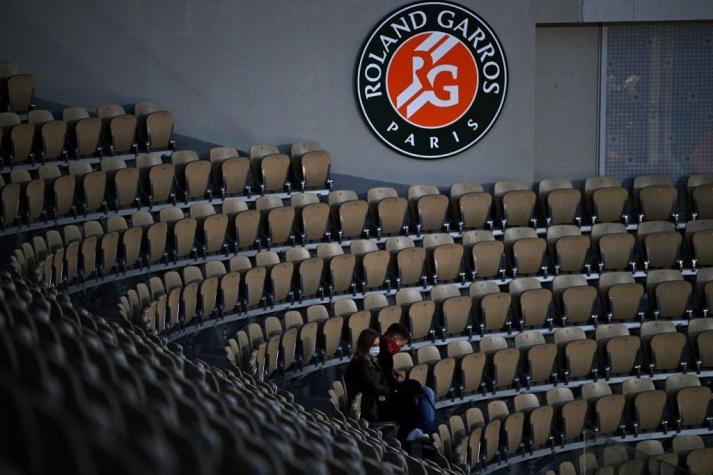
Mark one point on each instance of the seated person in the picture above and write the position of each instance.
(406, 391)
(379, 402)
(364, 376)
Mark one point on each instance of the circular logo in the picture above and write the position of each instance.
(431, 79)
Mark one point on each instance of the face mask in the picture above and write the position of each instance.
(374, 351)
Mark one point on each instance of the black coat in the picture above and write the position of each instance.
(386, 361)
(365, 376)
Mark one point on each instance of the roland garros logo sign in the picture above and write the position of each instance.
(431, 79)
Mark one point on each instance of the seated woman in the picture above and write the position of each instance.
(379, 402)
(364, 376)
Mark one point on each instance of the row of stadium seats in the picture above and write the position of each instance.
(77, 134)
(686, 454)
(531, 361)
(527, 423)
(117, 188)
(91, 396)
(204, 236)
(16, 89)
(383, 213)
(176, 302)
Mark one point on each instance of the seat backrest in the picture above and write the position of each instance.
(417, 191)
(506, 186)
(379, 193)
(515, 234)
(651, 180)
(609, 279)
(567, 334)
(491, 343)
(337, 197)
(518, 286)
(526, 339)
(545, 186)
(595, 390)
(611, 330)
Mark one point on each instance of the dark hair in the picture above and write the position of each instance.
(398, 329)
(365, 341)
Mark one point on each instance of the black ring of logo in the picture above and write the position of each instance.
(378, 50)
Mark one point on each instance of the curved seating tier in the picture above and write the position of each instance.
(467, 370)
(205, 235)
(91, 394)
(156, 181)
(686, 453)
(447, 318)
(247, 289)
(500, 433)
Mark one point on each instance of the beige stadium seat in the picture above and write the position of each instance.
(21, 140)
(388, 210)
(373, 263)
(233, 172)
(312, 217)
(575, 300)
(10, 195)
(614, 246)
(698, 237)
(700, 194)
(87, 137)
(20, 91)
(525, 250)
(539, 357)
(504, 361)
(539, 420)
(608, 407)
(656, 197)
(279, 220)
(531, 302)
(122, 133)
(313, 168)
(646, 402)
(487, 254)
(472, 205)
(349, 214)
(491, 306)
(691, 400)
(246, 229)
(561, 201)
(515, 203)
(669, 293)
(429, 208)
(577, 353)
(570, 413)
(620, 296)
(568, 248)
(273, 171)
(660, 244)
(606, 199)
(54, 137)
(620, 351)
(159, 131)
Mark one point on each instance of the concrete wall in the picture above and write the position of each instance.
(244, 72)
(239, 72)
(566, 102)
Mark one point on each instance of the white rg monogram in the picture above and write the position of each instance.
(417, 95)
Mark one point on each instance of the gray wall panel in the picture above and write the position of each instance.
(243, 72)
(566, 102)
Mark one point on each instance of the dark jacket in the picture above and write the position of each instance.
(365, 376)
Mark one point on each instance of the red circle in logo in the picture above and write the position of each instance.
(432, 79)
